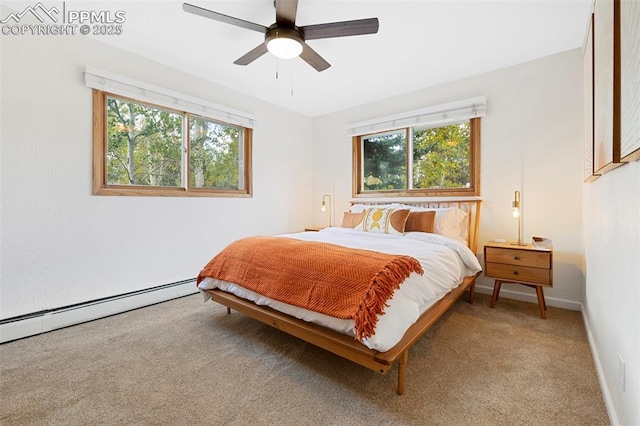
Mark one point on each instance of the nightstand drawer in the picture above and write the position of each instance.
(501, 271)
(536, 259)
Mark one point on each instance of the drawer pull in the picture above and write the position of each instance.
(515, 272)
(516, 257)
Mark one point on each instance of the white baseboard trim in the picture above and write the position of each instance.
(608, 401)
(27, 325)
(526, 297)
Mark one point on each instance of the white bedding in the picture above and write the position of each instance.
(445, 262)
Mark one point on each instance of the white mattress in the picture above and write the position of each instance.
(445, 262)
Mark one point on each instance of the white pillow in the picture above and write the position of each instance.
(451, 222)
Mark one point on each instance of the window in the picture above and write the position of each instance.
(145, 149)
(423, 160)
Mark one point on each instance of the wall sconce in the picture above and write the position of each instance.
(516, 213)
(324, 207)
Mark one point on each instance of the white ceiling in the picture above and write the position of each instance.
(420, 43)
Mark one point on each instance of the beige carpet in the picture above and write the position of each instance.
(187, 362)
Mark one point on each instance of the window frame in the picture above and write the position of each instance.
(474, 169)
(101, 187)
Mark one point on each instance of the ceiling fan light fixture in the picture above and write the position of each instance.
(284, 47)
(284, 43)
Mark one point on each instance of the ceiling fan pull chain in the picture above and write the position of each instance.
(277, 63)
(291, 77)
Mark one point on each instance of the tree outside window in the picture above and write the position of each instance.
(143, 149)
(441, 160)
(441, 157)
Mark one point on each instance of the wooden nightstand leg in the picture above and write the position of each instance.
(496, 293)
(541, 302)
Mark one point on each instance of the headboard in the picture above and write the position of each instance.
(471, 207)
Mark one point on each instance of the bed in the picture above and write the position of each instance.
(448, 269)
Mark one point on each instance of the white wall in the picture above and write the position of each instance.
(531, 141)
(61, 245)
(612, 296)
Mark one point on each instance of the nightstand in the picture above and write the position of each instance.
(520, 264)
(314, 229)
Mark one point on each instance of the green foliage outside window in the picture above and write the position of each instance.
(440, 158)
(214, 154)
(385, 161)
(145, 146)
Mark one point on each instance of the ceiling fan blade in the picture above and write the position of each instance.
(223, 18)
(311, 57)
(341, 29)
(252, 55)
(286, 12)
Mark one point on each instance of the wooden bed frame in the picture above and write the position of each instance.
(346, 346)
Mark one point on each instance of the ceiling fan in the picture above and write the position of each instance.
(285, 39)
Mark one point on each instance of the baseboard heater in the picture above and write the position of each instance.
(48, 320)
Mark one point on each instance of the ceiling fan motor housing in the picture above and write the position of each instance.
(276, 31)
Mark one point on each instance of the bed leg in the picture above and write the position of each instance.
(472, 291)
(402, 366)
(228, 311)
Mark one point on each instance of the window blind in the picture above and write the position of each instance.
(124, 86)
(438, 115)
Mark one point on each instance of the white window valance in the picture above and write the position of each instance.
(124, 86)
(430, 116)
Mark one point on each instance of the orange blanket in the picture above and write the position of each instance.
(334, 280)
